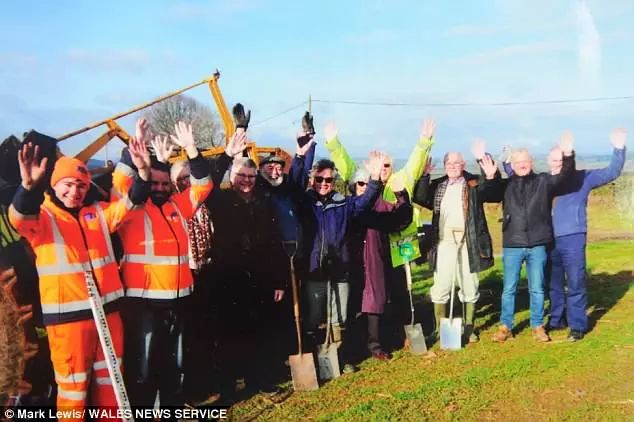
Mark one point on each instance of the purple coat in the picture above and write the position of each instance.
(372, 252)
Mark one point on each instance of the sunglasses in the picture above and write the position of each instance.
(362, 184)
(387, 165)
(246, 176)
(321, 179)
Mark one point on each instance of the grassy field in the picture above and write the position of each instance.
(519, 380)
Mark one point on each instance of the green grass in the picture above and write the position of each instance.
(521, 379)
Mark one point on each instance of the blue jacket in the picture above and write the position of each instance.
(325, 223)
(283, 197)
(570, 209)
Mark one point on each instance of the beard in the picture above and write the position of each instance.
(273, 182)
(159, 198)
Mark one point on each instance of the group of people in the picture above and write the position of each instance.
(206, 267)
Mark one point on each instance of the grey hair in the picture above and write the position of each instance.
(360, 175)
(322, 165)
(240, 162)
(446, 157)
(177, 168)
(519, 151)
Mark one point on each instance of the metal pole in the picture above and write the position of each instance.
(135, 109)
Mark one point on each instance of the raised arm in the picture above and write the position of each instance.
(338, 154)
(413, 169)
(24, 212)
(607, 174)
(566, 143)
(364, 202)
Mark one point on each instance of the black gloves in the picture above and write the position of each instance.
(309, 129)
(241, 119)
(307, 123)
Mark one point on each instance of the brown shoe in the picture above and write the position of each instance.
(540, 334)
(502, 334)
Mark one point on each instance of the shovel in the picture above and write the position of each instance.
(451, 328)
(327, 357)
(413, 332)
(302, 364)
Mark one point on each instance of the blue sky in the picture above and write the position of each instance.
(64, 64)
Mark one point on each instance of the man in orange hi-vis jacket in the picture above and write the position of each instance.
(69, 240)
(156, 273)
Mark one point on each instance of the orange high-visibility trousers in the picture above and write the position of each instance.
(79, 364)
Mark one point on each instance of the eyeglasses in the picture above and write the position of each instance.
(321, 179)
(454, 164)
(387, 165)
(362, 184)
(246, 176)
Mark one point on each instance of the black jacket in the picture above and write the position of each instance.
(527, 219)
(245, 233)
(478, 239)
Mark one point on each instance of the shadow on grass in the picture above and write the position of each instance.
(604, 291)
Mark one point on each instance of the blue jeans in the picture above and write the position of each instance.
(569, 261)
(513, 258)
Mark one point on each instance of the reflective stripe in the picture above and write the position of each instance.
(101, 364)
(155, 260)
(103, 380)
(199, 182)
(78, 305)
(104, 230)
(65, 267)
(159, 294)
(72, 378)
(71, 395)
(149, 258)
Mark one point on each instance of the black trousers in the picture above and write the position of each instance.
(153, 353)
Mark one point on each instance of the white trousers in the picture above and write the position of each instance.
(447, 263)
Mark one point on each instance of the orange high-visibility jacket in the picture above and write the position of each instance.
(66, 247)
(155, 263)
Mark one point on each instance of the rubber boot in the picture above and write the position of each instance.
(470, 336)
(440, 311)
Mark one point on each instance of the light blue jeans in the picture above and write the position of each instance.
(513, 258)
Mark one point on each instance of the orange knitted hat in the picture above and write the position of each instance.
(69, 167)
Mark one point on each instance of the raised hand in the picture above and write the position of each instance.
(184, 138)
(478, 148)
(237, 144)
(241, 118)
(428, 128)
(31, 172)
(303, 149)
(618, 138)
(140, 157)
(566, 142)
(307, 123)
(330, 131)
(488, 166)
(142, 130)
(162, 148)
(374, 165)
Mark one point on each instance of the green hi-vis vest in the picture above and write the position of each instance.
(8, 234)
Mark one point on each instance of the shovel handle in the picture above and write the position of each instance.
(296, 305)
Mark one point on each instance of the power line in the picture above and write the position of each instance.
(482, 104)
(279, 114)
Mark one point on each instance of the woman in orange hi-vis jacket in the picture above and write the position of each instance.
(156, 274)
(69, 240)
